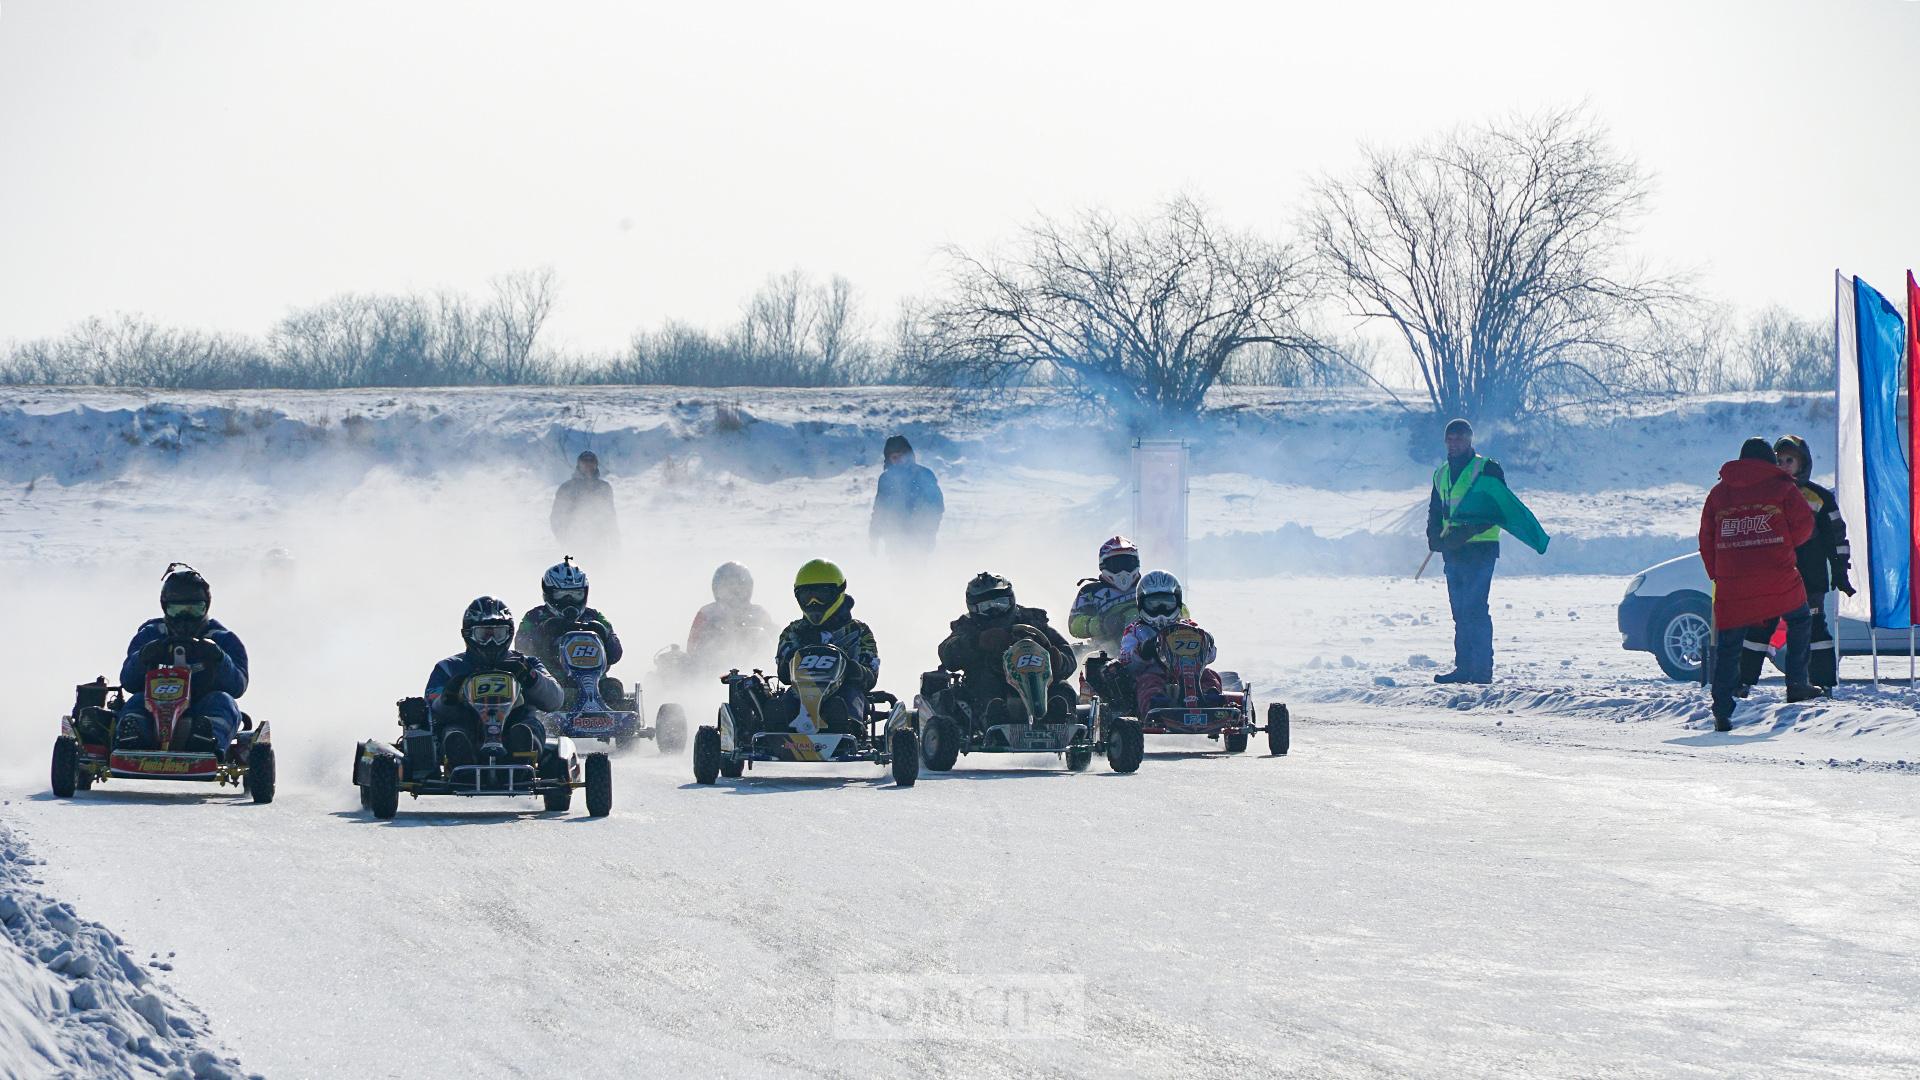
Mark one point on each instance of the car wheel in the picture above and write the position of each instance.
(1681, 631)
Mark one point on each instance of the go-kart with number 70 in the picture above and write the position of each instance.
(416, 765)
(1226, 715)
(90, 748)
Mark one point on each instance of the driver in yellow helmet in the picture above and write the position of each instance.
(826, 618)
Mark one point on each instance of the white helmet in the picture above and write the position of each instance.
(564, 586)
(1159, 599)
(732, 584)
(1120, 563)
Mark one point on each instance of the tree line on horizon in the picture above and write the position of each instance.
(1490, 266)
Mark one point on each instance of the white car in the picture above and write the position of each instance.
(1667, 612)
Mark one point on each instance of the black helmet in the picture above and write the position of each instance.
(989, 595)
(185, 597)
(487, 628)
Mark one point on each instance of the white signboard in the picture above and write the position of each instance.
(1160, 504)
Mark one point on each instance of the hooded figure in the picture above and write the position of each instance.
(583, 516)
(1824, 561)
(1754, 521)
(907, 505)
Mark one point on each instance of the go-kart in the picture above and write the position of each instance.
(90, 749)
(416, 766)
(884, 734)
(1226, 716)
(588, 714)
(949, 727)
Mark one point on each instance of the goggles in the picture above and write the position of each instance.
(566, 596)
(1121, 563)
(1160, 604)
(190, 609)
(490, 634)
(817, 596)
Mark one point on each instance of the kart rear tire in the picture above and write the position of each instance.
(1234, 742)
(557, 799)
(906, 757)
(599, 785)
(1126, 746)
(1279, 729)
(731, 767)
(383, 787)
(1079, 758)
(941, 748)
(706, 755)
(260, 777)
(66, 767)
(670, 729)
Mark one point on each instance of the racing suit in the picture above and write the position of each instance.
(1140, 658)
(219, 664)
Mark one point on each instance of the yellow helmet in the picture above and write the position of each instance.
(820, 588)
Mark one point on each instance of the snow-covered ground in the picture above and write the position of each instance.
(1566, 874)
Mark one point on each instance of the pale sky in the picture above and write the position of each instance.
(213, 164)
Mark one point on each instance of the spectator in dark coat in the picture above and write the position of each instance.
(908, 505)
(1754, 521)
(583, 519)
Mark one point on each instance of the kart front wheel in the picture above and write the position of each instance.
(1279, 729)
(670, 729)
(706, 755)
(558, 797)
(1078, 758)
(1126, 746)
(383, 787)
(66, 767)
(906, 758)
(941, 748)
(260, 772)
(1234, 742)
(599, 785)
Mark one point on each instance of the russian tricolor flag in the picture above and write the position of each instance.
(1873, 482)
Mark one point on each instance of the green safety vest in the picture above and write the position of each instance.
(1452, 493)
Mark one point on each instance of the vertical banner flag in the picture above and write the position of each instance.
(1160, 504)
(1849, 459)
(1882, 337)
(1913, 434)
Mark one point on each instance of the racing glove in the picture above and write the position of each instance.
(1844, 583)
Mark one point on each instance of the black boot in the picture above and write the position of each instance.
(456, 749)
(1799, 693)
(1452, 677)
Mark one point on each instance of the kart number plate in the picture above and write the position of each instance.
(1194, 718)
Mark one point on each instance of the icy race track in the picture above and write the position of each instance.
(1568, 876)
(1400, 896)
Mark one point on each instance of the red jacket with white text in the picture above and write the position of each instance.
(1754, 519)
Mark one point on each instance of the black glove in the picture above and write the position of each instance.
(521, 670)
(995, 639)
(203, 653)
(1843, 583)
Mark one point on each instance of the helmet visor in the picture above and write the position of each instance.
(998, 604)
(817, 598)
(185, 610)
(575, 597)
(1120, 562)
(490, 634)
(1159, 604)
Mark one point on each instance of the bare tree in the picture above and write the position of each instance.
(1499, 255)
(1786, 352)
(1137, 316)
(521, 304)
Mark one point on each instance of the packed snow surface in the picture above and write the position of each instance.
(1565, 874)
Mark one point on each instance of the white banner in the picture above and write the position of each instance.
(1850, 456)
(1160, 505)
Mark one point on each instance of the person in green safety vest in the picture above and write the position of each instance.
(1469, 555)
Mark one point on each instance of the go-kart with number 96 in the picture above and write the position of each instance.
(883, 734)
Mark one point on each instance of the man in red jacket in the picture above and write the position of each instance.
(1754, 520)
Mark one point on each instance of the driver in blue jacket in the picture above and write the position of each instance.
(213, 653)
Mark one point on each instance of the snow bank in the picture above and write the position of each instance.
(75, 1003)
(1283, 481)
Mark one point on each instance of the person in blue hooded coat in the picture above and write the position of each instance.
(211, 651)
(907, 504)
